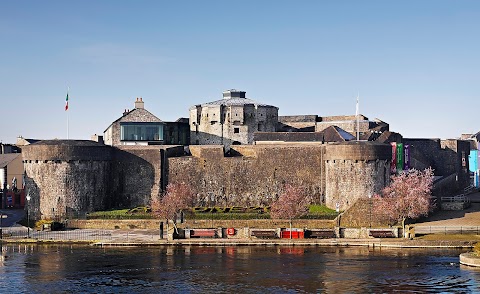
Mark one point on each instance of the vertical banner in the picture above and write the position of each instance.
(399, 157)
(393, 166)
(406, 163)
(473, 161)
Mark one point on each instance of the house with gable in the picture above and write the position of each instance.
(135, 127)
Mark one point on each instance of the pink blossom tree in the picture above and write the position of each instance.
(291, 204)
(176, 197)
(409, 195)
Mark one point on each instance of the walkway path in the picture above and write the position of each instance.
(458, 218)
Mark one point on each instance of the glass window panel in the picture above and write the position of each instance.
(141, 132)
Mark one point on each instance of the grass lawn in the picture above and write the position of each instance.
(220, 213)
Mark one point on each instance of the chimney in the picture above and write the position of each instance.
(139, 103)
(97, 138)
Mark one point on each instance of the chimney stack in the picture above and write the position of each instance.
(139, 103)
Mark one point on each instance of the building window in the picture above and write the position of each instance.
(236, 130)
(141, 131)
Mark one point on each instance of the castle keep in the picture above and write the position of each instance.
(231, 120)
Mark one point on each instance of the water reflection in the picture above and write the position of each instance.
(269, 269)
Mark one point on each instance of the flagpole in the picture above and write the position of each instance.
(358, 117)
(68, 115)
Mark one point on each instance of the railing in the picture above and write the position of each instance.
(67, 235)
(468, 189)
(447, 230)
(456, 198)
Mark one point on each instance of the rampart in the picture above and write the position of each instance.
(331, 173)
(65, 176)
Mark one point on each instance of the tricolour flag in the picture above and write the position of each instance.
(66, 102)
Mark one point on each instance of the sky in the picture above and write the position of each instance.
(414, 64)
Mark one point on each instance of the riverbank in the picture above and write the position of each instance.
(138, 237)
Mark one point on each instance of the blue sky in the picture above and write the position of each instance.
(415, 63)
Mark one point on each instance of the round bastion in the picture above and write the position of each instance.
(66, 177)
(353, 170)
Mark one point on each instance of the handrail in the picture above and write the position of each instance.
(456, 198)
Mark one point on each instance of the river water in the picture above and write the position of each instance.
(255, 269)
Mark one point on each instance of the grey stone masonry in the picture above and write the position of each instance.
(231, 120)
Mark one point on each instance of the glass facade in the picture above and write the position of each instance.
(141, 132)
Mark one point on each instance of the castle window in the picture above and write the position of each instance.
(236, 130)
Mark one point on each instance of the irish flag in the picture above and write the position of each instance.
(66, 102)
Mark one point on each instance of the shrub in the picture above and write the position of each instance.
(476, 249)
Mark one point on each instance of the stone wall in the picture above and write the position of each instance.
(66, 177)
(446, 157)
(71, 177)
(230, 124)
(361, 214)
(254, 178)
(355, 170)
(347, 180)
(331, 174)
(74, 176)
(455, 205)
(137, 174)
(201, 224)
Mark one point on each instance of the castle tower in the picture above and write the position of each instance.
(66, 177)
(231, 120)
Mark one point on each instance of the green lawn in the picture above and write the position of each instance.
(220, 213)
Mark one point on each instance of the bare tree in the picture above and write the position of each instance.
(409, 195)
(176, 197)
(291, 204)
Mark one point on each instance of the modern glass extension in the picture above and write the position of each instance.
(135, 131)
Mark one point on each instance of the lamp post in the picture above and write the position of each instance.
(370, 206)
(28, 216)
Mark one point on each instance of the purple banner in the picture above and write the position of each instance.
(406, 161)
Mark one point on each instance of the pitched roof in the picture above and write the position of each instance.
(233, 101)
(127, 116)
(5, 159)
(336, 134)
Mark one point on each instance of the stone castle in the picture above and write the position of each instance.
(236, 157)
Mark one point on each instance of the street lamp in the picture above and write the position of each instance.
(370, 205)
(28, 216)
